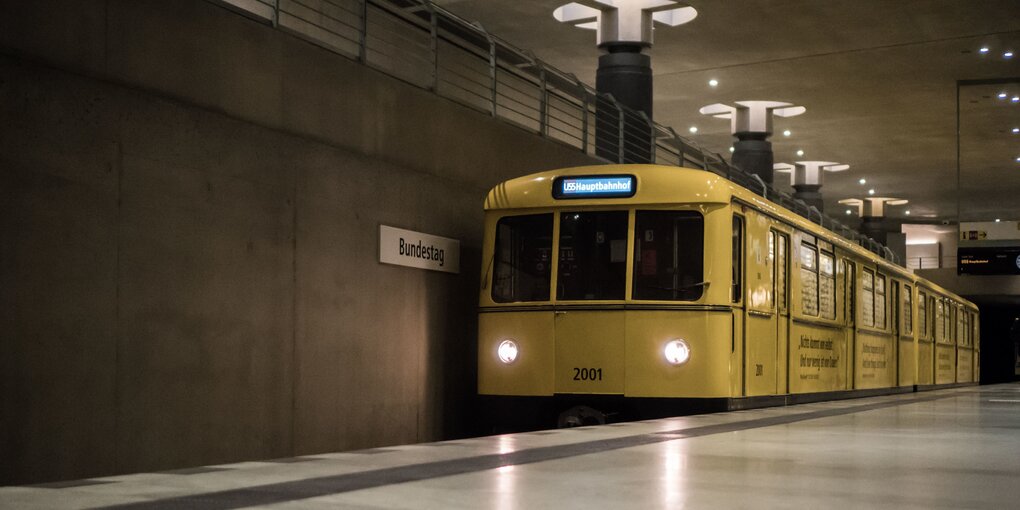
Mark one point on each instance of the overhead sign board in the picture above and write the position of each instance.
(988, 260)
(416, 249)
(594, 186)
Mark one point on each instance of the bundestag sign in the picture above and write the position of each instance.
(415, 249)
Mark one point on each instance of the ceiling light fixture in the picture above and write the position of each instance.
(1008, 54)
(800, 152)
(1002, 95)
(693, 129)
(713, 83)
(787, 132)
(907, 212)
(863, 180)
(848, 211)
(984, 49)
(1015, 99)
(732, 149)
(871, 191)
(997, 220)
(1016, 130)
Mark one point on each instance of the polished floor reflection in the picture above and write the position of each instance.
(956, 448)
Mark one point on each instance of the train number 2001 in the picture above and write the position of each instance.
(587, 374)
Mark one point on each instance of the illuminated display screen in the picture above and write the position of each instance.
(600, 186)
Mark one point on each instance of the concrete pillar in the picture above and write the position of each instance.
(806, 179)
(751, 124)
(624, 31)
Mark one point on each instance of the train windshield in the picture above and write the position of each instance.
(668, 255)
(522, 258)
(593, 255)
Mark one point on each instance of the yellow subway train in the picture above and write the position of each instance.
(618, 291)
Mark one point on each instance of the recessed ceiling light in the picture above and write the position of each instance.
(1015, 99)
(871, 191)
(984, 49)
(787, 132)
(800, 153)
(848, 211)
(863, 180)
(997, 220)
(713, 83)
(1016, 130)
(1002, 95)
(907, 212)
(732, 149)
(1008, 54)
(693, 129)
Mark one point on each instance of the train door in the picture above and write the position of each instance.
(760, 329)
(850, 314)
(781, 286)
(736, 297)
(894, 322)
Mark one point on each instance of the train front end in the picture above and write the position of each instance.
(605, 291)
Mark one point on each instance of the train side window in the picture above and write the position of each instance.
(522, 258)
(593, 255)
(809, 279)
(669, 255)
(880, 302)
(907, 311)
(827, 285)
(922, 313)
(738, 259)
(781, 264)
(868, 298)
(940, 322)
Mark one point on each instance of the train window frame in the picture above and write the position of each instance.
(809, 283)
(614, 272)
(829, 279)
(922, 313)
(907, 310)
(690, 291)
(867, 297)
(513, 297)
(782, 264)
(737, 260)
(881, 304)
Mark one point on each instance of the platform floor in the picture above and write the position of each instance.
(956, 448)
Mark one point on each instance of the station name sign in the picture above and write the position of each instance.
(988, 260)
(594, 186)
(416, 249)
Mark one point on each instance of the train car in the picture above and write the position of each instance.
(621, 291)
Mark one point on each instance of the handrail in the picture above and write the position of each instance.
(517, 87)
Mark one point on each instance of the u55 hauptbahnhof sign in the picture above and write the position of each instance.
(416, 249)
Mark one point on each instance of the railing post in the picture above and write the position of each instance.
(543, 104)
(622, 135)
(276, 13)
(492, 73)
(651, 136)
(584, 116)
(363, 34)
(434, 44)
(679, 147)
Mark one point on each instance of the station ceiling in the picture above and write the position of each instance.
(879, 78)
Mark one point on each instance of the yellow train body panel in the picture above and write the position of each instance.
(594, 287)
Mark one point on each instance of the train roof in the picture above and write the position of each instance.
(661, 185)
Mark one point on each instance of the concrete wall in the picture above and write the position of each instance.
(189, 211)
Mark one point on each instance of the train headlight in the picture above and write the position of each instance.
(677, 352)
(507, 351)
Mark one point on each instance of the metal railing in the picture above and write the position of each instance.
(429, 47)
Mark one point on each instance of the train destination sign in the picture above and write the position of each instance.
(594, 186)
(416, 249)
(988, 260)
